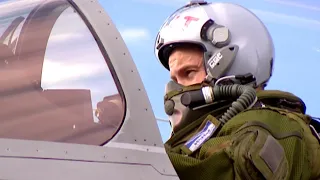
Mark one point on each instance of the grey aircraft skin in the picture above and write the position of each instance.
(47, 132)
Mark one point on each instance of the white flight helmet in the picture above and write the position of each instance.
(234, 40)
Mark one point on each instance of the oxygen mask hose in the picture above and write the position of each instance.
(246, 98)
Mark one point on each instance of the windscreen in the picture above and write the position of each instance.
(55, 82)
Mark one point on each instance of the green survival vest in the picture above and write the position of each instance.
(271, 141)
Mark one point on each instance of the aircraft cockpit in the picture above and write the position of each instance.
(73, 105)
(55, 82)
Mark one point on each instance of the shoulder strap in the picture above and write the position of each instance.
(315, 127)
(289, 104)
(315, 122)
(281, 99)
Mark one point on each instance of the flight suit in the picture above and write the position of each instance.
(272, 140)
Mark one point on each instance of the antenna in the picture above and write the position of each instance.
(163, 120)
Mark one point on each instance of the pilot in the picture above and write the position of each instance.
(110, 111)
(235, 129)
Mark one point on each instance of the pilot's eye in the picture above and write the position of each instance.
(190, 73)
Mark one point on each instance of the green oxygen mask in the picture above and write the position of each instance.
(184, 104)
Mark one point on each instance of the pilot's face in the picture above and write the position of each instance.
(186, 65)
(186, 68)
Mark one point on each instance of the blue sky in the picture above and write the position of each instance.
(294, 26)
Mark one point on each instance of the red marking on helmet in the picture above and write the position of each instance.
(189, 19)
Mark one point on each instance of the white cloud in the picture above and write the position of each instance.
(172, 3)
(268, 16)
(17, 7)
(316, 49)
(295, 4)
(66, 37)
(135, 34)
(55, 72)
(178, 3)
